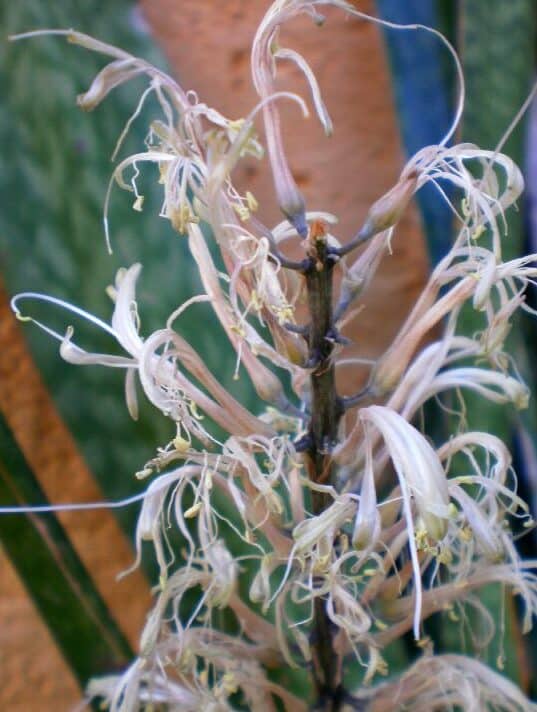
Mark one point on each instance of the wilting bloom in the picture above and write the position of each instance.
(321, 527)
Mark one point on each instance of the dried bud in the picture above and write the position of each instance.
(387, 211)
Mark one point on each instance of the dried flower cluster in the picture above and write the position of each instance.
(325, 527)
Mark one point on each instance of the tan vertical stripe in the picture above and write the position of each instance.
(52, 453)
(208, 45)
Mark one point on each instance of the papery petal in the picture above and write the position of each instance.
(415, 461)
(496, 387)
(130, 393)
(367, 522)
(114, 74)
(124, 319)
(75, 355)
(320, 107)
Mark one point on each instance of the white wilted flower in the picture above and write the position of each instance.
(319, 535)
(436, 682)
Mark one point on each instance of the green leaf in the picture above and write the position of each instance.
(498, 57)
(54, 174)
(422, 77)
(60, 586)
(498, 51)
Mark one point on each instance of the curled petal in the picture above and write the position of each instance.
(114, 74)
(494, 386)
(320, 107)
(124, 318)
(367, 522)
(417, 463)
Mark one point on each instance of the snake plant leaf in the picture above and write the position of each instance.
(60, 586)
(54, 174)
(498, 51)
(498, 60)
(498, 57)
(422, 80)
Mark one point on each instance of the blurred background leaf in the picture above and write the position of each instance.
(496, 44)
(59, 584)
(55, 170)
(423, 86)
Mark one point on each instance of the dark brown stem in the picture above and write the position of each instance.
(326, 411)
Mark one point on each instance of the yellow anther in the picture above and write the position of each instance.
(255, 301)
(186, 659)
(284, 313)
(193, 511)
(194, 412)
(382, 666)
(465, 533)
(321, 564)
(236, 125)
(229, 682)
(242, 211)
(180, 217)
(421, 537)
(445, 556)
(238, 329)
(452, 510)
(180, 443)
(370, 572)
(480, 229)
(251, 202)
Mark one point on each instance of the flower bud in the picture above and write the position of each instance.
(387, 211)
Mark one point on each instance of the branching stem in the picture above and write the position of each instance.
(365, 234)
(326, 411)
